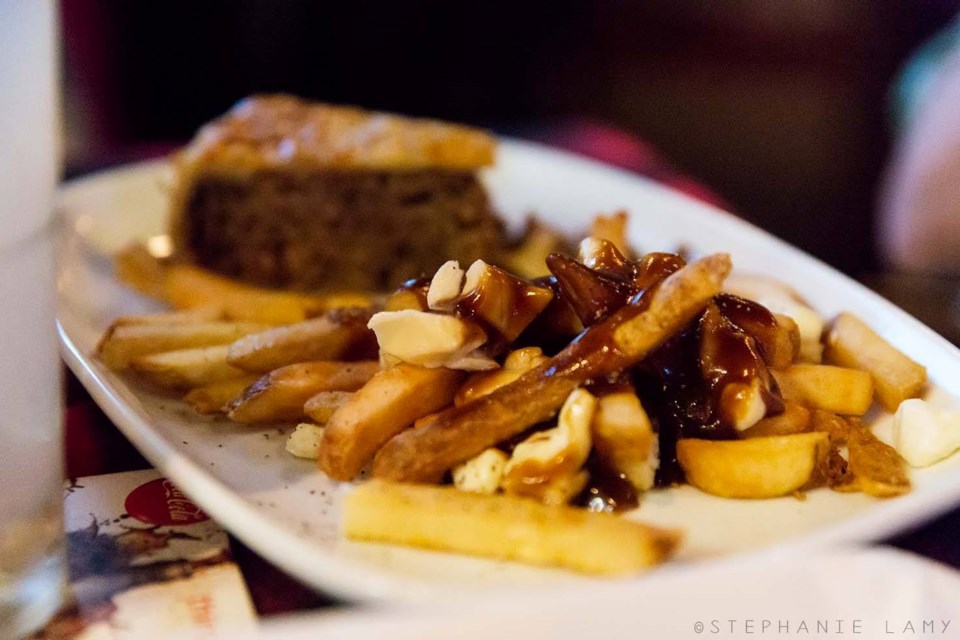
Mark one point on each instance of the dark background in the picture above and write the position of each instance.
(780, 106)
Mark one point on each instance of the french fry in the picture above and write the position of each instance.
(872, 466)
(186, 286)
(387, 404)
(612, 228)
(528, 260)
(620, 341)
(214, 397)
(321, 407)
(678, 300)
(835, 389)
(187, 368)
(136, 267)
(279, 396)
(515, 365)
(328, 337)
(784, 349)
(186, 316)
(794, 419)
(852, 343)
(504, 527)
(124, 343)
(756, 468)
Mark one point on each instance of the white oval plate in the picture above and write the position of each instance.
(872, 593)
(288, 512)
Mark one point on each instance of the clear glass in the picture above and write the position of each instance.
(31, 438)
(31, 448)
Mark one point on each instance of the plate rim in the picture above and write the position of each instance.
(358, 582)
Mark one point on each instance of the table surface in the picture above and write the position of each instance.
(95, 446)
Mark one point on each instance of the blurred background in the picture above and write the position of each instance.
(784, 111)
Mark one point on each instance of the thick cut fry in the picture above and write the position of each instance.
(186, 316)
(123, 344)
(321, 407)
(386, 405)
(612, 228)
(279, 396)
(871, 466)
(136, 267)
(186, 286)
(214, 397)
(620, 341)
(328, 337)
(836, 389)
(755, 468)
(784, 349)
(851, 343)
(504, 527)
(794, 419)
(515, 365)
(680, 298)
(529, 259)
(187, 368)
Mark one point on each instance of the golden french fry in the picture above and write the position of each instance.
(612, 228)
(529, 259)
(187, 368)
(187, 286)
(618, 342)
(386, 405)
(124, 343)
(784, 348)
(504, 527)
(214, 397)
(755, 468)
(676, 302)
(186, 316)
(794, 419)
(515, 365)
(852, 343)
(279, 396)
(835, 389)
(136, 267)
(328, 337)
(321, 407)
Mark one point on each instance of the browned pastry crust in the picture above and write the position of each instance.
(287, 193)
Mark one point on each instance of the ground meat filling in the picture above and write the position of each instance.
(339, 230)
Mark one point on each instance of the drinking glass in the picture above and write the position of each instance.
(31, 439)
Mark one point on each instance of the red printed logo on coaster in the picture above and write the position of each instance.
(159, 502)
